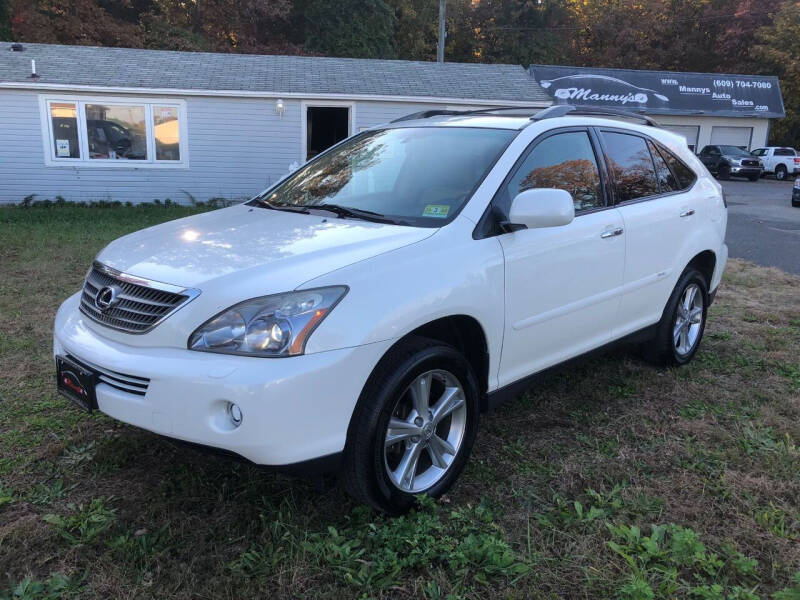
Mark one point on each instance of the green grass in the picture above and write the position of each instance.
(608, 479)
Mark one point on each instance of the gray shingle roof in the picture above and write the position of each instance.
(125, 67)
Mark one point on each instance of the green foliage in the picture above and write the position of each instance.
(43, 493)
(5, 22)
(790, 593)
(777, 51)
(377, 552)
(86, 522)
(597, 508)
(55, 587)
(7, 495)
(352, 28)
(672, 561)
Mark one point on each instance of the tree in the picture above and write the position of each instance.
(5, 22)
(416, 28)
(777, 51)
(351, 28)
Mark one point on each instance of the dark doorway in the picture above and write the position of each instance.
(325, 126)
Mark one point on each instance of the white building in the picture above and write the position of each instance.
(136, 125)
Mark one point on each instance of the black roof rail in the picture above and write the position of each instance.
(424, 114)
(436, 112)
(562, 110)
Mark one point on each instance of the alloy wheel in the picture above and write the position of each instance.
(688, 319)
(425, 431)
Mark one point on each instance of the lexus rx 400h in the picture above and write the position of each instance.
(362, 313)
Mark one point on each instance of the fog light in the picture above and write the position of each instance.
(235, 414)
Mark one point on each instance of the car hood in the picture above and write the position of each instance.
(258, 243)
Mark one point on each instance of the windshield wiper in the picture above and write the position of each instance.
(284, 207)
(356, 213)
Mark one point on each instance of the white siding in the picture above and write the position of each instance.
(760, 127)
(237, 146)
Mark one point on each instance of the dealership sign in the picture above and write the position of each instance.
(663, 92)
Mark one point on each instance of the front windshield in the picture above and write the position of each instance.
(733, 151)
(411, 175)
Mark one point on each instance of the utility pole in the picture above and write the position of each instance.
(442, 34)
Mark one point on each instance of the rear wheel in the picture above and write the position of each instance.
(682, 324)
(781, 173)
(413, 428)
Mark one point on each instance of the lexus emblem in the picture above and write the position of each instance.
(107, 297)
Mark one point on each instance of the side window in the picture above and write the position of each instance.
(784, 152)
(565, 161)
(631, 166)
(683, 174)
(666, 180)
(758, 152)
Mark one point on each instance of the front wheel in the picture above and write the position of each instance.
(682, 324)
(754, 177)
(724, 172)
(413, 427)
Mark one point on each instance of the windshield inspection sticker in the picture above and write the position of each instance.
(436, 210)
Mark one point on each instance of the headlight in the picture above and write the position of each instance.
(277, 325)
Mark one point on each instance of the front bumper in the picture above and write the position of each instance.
(746, 171)
(294, 409)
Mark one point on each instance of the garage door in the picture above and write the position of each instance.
(690, 132)
(732, 136)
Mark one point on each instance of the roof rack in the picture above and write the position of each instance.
(425, 114)
(563, 110)
(552, 112)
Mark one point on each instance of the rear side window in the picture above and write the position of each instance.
(784, 152)
(666, 180)
(631, 166)
(565, 161)
(683, 174)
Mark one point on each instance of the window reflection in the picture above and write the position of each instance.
(166, 132)
(64, 119)
(631, 166)
(565, 161)
(424, 173)
(116, 132)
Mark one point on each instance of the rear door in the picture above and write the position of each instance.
(563, 284)
(657, 211)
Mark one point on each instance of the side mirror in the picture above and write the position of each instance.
(543, 207)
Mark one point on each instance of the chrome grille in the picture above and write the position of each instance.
(140, 304)
(749, 163)
(131, 384)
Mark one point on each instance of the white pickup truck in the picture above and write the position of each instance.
(779, 160)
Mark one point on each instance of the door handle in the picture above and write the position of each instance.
(611, 232)
(687, 213)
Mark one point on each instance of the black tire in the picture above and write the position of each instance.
(781, 173)
(724, 172)
(754, 177)
(795, 203)
(662, 349)
(365, 466)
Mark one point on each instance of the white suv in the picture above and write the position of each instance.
(361, 314)
(779, 160)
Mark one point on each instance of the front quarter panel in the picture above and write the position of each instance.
(393, 294)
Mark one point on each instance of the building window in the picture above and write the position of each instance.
(115, 132)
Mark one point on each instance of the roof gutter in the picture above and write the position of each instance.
(253, 94)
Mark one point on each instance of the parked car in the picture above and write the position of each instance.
(796, 193)
(725, 161)
(782, 162)
(363, 312)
